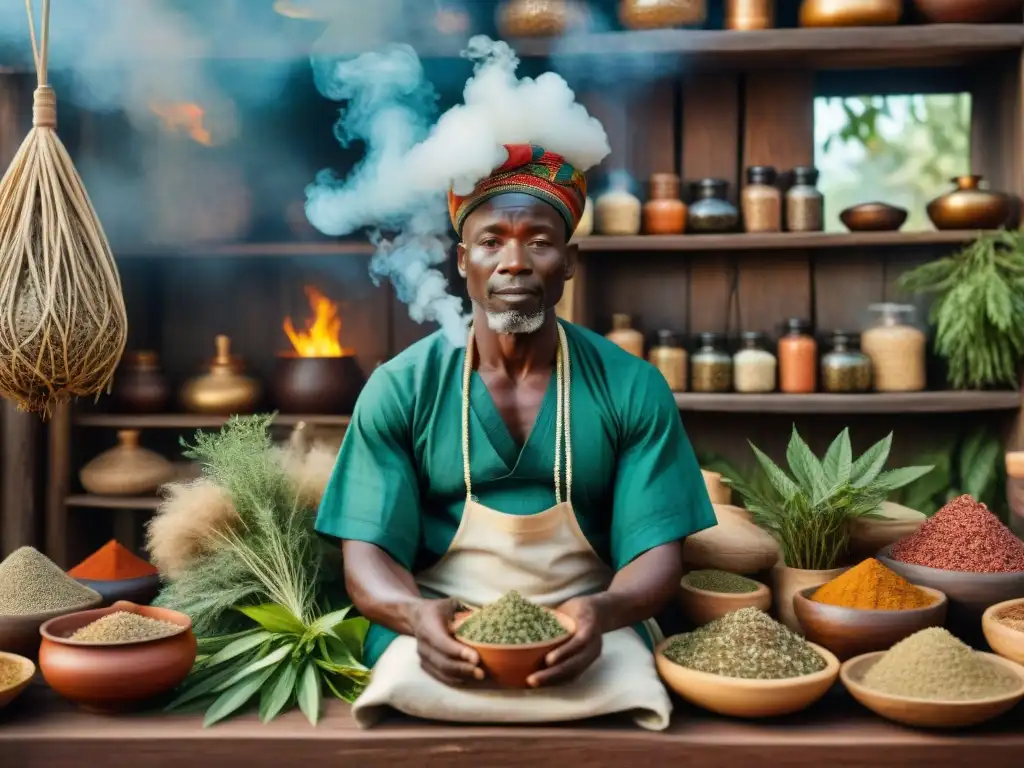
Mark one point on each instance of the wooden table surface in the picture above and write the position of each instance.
(40, 731)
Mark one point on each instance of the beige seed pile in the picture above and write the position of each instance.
(30, 582)
(124, 627)
(11, 673)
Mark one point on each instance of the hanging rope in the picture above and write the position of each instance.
(63, 324)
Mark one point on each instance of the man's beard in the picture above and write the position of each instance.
(517, 323)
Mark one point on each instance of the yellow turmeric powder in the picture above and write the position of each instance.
(872, 586)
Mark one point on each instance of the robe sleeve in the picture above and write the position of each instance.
(659, 494)
(373, 493)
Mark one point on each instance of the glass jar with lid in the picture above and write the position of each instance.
(712, 365)
(534, 18)
(844, 368)
(798, 358)
(617, 211)
(896, 348)
(659, 14)
(669, 357)
(805, 205)
(753, 366)
(711, 212)
(664, 213)
(625, 335)
(762, 200)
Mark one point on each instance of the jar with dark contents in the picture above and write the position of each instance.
(762, 200)
(805, 205)
(533, 18)
(660, 14)
(711, 212)
(844, 368)
(711, 365)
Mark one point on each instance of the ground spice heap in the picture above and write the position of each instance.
(871, 586)
(933, 664)
(745, 643)
(11, 673)
(512, 620)
(721, 581)
(963, 536)
(124, 627)
(112, 562)
(32, 583)
(1013, 617)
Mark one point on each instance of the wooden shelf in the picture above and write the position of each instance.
(113, 502)
(249, 250)
(911, 402)
(194, 421)
(774, 241)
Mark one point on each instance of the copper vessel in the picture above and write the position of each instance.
(139, 384)
(970, 11)
(223, 389)
(850, 13)
(873, 217)
(969, 207)
(749, 14)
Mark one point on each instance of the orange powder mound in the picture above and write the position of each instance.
(112, 562)
(871, 586)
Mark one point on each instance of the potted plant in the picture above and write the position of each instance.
(810, 510)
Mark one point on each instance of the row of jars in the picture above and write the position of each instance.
(765, 208)
(888, 357)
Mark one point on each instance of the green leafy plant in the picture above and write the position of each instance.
(809, 510)
(978, 310)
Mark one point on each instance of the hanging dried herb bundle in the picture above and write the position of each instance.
(63, 324)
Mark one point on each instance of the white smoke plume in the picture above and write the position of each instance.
(401, 184)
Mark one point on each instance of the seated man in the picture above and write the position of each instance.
(540, 458)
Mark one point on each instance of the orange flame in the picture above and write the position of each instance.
(184, 117)
(322, 337)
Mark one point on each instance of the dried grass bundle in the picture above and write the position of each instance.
(63, 324)
(187, 523)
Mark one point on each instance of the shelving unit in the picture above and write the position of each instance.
(894, 403)
(192, 421)
(771, 242)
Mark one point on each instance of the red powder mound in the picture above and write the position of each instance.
(112, 562)
(963, 536)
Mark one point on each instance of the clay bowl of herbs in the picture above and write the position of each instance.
(512, 637)
(15, 674)
(117, 658)
(1003, 625)
(710, 594)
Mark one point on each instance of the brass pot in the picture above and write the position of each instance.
(850, 13)
(969, 207)
(139, 384)
(223, 389)
(749, 14)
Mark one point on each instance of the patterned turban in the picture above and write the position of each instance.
(531, 171)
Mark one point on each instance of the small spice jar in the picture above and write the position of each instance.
(586, 225)
(659, 14)
(617, 212)
(712, 365)
(896, 348)
(749, 14)
(711, 212)
(805, 205)
(625, 335)
(669, 357)
(664, 213)
(1015, 490)
(844, 368)
(754, 367)
(798, 358)
(762, 200)
(533, 18)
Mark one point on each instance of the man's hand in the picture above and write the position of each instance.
(441, 655)
(570, 659)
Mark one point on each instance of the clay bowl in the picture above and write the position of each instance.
(113, 677)
(928, 713)
(702, 606)
(317, 384)
(849, 632)
(20, 634)
(1006, 641)
(739, 697)
(28, 669)
(873, 217)
(142, 590)
(509, 666)
(969, 11)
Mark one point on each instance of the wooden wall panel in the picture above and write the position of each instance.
(996, 128)
(654, 295)
(845, 283)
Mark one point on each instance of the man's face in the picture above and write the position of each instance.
(515, 257)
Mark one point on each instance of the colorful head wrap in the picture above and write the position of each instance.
(529, 170)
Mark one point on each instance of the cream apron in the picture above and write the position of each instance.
(547, 559)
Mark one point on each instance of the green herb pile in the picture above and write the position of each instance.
(512, 620)
(712, 580)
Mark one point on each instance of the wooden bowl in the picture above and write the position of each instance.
(20, 634)
(928, 713)
(740, 697)
(112, 677)
(142, 590)
(28, 669)
(702, 606)
(873, 217)
(1006, 641)
(849, 632)
(510, 665)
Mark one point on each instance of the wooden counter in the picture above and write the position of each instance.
(39, 731)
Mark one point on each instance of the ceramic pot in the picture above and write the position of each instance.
(223, 389)
(317, 385)
(127, 469)
(142, 590)
(115, 677)
(661, 14)
(850, 13)
(534, 18)
(969, 207)
(786, 582)
(20, 634)
(139, 384)
(719, 492)
(970, 11)
(1005, 640)
(736, 544)
(702, 607)
(873, 217)
(868, 535)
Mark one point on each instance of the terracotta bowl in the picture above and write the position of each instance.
(28, 669)
(702, 606)
(113, 677)
(873, 217)
(142, 590)
(1006, 641)
(20, 634)
(510, 665)
(928, 713)
(739, 697)
(849, 632)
